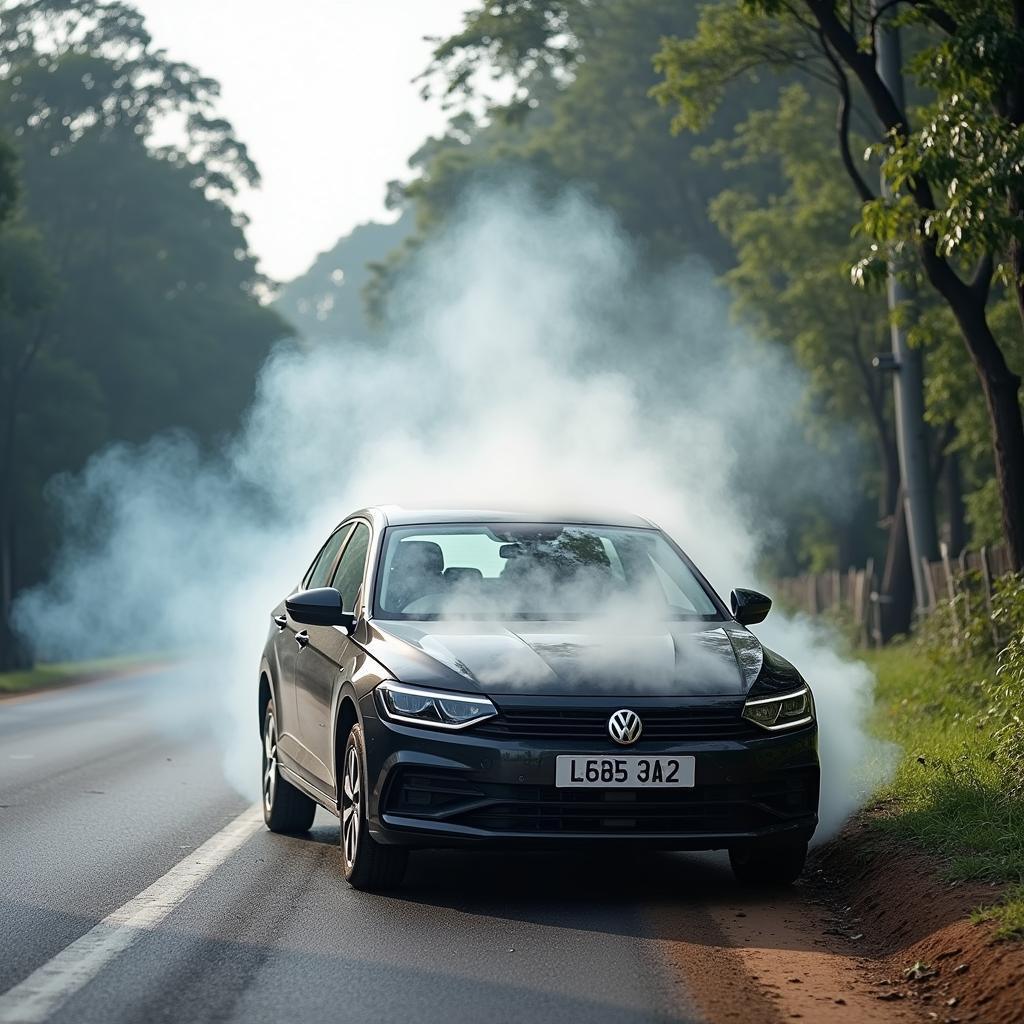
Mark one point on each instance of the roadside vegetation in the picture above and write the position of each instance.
(951, 697)
(44, 676)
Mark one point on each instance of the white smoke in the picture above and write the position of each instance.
(532, 365)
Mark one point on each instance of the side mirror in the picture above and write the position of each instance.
(748, 606)
(319, 607)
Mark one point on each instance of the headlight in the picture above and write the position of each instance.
(786, 711)
(432, 707)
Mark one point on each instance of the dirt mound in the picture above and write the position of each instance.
(912, 931)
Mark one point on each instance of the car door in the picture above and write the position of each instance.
(291, 641)
(321, 663)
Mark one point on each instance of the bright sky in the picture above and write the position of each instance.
(320, 91)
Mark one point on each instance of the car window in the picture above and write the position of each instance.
(534, 570)
(320, 570)
(349, 576)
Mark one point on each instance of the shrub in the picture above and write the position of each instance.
(980, 655)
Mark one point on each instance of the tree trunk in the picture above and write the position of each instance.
(1001, 388)
(897, 588)
(891, 475)
(8, 658)
(957, 526)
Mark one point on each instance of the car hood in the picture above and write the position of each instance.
(570, 658)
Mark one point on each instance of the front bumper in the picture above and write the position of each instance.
(431, 788)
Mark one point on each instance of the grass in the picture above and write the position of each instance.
(43, 676)
(949, 794)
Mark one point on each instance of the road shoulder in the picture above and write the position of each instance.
(922, 944)
(873, 934)
(49, 678)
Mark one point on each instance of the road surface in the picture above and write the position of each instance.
(138, 886)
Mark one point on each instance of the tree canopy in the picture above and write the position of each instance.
(951, 154)
(129, 299)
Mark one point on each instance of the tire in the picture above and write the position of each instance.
(285, 809)
(368, 865)
(768, 862)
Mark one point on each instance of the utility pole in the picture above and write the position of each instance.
(907, 364)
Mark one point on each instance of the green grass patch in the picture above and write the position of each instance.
(951, 793)
(62, 673)
(1008, 915)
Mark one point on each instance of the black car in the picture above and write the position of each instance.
(443, 678)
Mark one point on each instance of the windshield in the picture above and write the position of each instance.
(535, 571)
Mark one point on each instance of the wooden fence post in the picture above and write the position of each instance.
(929, 585)
(950, 584)
(986, 581)
(962, 560)
(872, 612)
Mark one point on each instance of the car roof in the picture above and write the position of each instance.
(396, 515)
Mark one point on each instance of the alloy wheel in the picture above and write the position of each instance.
(269, 762)
(350, 805)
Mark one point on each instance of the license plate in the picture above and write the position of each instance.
(633, 772)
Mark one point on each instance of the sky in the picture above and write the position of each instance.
(321, 92)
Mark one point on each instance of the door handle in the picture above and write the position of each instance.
(280, 621)
(302, 638)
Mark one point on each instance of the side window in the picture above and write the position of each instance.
(321, 567)
(349, 577)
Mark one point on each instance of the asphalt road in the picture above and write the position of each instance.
(104, 788)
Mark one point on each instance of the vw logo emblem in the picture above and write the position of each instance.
(625, 727)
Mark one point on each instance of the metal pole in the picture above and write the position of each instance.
(908, 380)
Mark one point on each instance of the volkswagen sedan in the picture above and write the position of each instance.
(443, 678)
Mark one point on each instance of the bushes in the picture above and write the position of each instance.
(976, 644)
(952, 697)
(1008, 687)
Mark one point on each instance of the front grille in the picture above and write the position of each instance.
(439, 796)
(715, 722)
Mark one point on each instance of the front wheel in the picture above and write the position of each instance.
(368, 864)
(285, 809)
(768, 862)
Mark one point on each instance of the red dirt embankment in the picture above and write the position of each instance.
(922, 947)
(873, 934)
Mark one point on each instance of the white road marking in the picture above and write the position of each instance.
(46, 989)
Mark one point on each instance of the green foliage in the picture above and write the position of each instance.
(949, 793)
(953, 158)
(969, 143)
(328, 301)
(974, 160)
(66, 673)
(729, 48)
(792, 251)
(71, 68)
(952, 698)
(580, 114)
(1007, 915)
(967, 637)
(9, 185)
(1006, 713)
(525, 40)
(129, 300)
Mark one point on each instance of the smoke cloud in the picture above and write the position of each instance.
(532, 363)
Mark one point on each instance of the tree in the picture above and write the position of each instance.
(580, 115)
(793, 250)
(579, 112)
(327, 302)
(25, 292)
(955, 162)
(146, 311)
